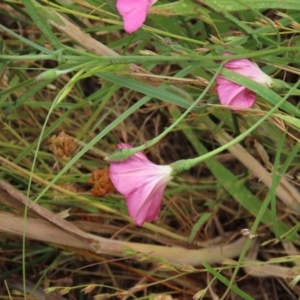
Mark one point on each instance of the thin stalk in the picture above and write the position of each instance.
(122, 154)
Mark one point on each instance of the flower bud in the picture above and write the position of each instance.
(235, 95)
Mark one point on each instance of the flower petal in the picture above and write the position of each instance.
(142, 183)
(143, 204)
(134, 13)
(249, 69)
(235, 95)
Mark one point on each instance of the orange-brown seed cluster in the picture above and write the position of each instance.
(101, 182)
(62, 146)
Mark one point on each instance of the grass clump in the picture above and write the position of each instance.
(73, 85)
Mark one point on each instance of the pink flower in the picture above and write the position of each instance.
(134, 13)
(142, 183)
(233, 94)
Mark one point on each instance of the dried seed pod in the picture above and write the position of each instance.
(62, 146)
(101, 183)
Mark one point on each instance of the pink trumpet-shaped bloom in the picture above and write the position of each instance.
(142, 183)
(233, 94)
(134, 13)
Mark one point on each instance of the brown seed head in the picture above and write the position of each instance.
(62, 146)
(101, 182)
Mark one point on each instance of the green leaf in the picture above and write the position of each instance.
(231, 5)
(41, 23)
(196, 227)
(26, 96)
(146, 89)
(295, 122)
(222, 279)
(26, 41)
(179, 8)
(50, 14)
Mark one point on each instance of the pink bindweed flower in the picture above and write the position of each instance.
(134, 13)
(233, 94)
(142, 183)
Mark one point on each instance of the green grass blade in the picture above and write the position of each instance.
(41, 23)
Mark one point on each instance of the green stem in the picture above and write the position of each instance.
(54, 73)
(185, 58)
(195, 57)
(127, 152)
(156, 58)
(41, 57)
